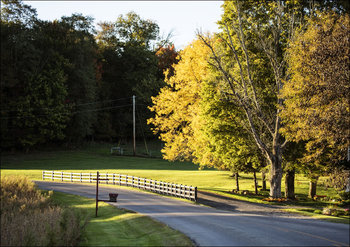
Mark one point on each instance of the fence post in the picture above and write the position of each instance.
(61, 176)
(53, 174)
(107, 177)
(113, 178)
(195, 194)
(71, 177)
(43, 175)
(90, 177)
(81, 177)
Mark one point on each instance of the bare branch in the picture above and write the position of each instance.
(232, 47)
(247, 58)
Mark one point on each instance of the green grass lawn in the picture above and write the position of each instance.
(91, 160)
(117, 227)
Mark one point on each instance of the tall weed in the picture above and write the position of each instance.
(29, 218)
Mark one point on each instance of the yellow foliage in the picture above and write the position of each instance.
(317, 95)
(177, 104)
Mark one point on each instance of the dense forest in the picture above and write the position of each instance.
(63, 81)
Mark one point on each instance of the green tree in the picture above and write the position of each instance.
(227, 140)
(134, 31)
(249, 57)
(16, 12)
(79, 47)
(33, 89)
(129, 67)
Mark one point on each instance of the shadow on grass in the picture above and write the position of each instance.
(82, 160)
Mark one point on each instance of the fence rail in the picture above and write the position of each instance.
(177, 190)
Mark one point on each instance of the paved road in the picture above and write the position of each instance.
(211, 227)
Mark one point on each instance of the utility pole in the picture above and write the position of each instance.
(134, 123)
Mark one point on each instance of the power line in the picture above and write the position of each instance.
(73, 105)
(68, 113)
(102, 109)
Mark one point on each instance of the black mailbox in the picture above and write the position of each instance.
(113, 197)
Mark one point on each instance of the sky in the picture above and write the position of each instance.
(182, 18)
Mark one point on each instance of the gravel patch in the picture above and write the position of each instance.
(234, 205)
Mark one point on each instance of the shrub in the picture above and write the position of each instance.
(328, 210)
(344, 195)
(334, 211)
(346, 212)
(345, 203)
(317, 211)
(337, 213)
(28, 217)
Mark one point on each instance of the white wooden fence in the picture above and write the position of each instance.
(177, 190)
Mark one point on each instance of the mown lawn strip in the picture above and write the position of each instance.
(118, 227)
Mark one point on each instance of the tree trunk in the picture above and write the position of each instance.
(263, 178)
(289, 184)
(255, 183)
(237, 182)
(276, 175)
(312, 187)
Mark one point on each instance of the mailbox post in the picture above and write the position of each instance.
(97, 182)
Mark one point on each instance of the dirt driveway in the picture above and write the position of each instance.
(230, 204)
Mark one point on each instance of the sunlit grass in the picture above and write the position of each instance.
(117, 227)
(92, 160)
(308, 212)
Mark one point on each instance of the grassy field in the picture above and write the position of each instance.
(92, 160)
(116, 227)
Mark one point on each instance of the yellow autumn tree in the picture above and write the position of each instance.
(177, 106)
(317, 95)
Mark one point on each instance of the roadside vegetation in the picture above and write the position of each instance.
(30, 217)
